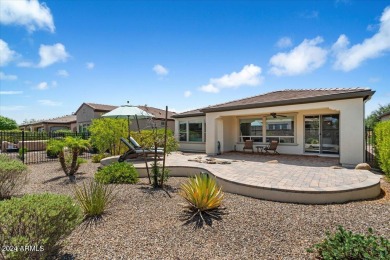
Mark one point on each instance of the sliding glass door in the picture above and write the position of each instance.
(322, 134)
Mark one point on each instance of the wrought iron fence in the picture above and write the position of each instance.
(371, 158)
(30, 147)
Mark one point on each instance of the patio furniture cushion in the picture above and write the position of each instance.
(273, 145)
(248, 145)
(136, 152)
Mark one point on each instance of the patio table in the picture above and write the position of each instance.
(260, 148)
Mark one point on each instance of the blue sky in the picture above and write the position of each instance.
(57, 54)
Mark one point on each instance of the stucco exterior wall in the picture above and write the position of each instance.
(85, 115)
(351, 113)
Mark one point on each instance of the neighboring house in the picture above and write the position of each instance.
(384, 117)
(50, 125)
(307, 121)
(88, 111)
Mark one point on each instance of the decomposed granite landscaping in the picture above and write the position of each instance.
(147, 223)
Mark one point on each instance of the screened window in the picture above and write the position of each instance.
(195, 132)
(280, 128)
(183, 131)
(251, 129)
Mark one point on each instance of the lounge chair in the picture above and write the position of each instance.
(136, 150)
(248, 145)
(273, 145)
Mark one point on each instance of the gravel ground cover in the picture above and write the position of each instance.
(144, 223)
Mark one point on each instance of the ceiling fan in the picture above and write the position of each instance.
(274, 115)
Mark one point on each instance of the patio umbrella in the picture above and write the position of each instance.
(129, 112)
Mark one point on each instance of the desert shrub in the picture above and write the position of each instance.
(98, 157)
(22, 152)
(201, 193)
(157, 174)
(13, 176)
(40, 220)
(53, 148)
(94, 198)
(382, 138)
(117, 173)
(347, 245)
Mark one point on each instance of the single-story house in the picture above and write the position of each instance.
(67, 122)
(384, 116)
(324, 122)
(88, 111)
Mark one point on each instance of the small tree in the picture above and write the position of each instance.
(373, 118)
(7, 123)
(153, 139)
(70, 163)
(382, 135)
(106, 134)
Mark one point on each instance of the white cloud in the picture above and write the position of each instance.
(7, 54)
(209, 88)
(25, 64)
(160, 70)
(310, 14)
(284, 42)
(187, 93)
(248, 76)
(11, 108)
(350, 58)
(4, 76)
(30, 14)
(54, 83)
(48, 102)
(51, 54)
(43, 86)
(63, 73)
(90, 65)
(304, 58)
(11, 92)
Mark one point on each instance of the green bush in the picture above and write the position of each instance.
(117, 173)
(53, 148)
(94, 198)
(98, 157)
(382, 139)
(13, 176)
(40, 220)
(347, 245)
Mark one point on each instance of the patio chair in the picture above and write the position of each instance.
(273, 145)
(134, 152)
(248, 145)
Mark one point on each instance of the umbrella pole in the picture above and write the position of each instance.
(128, 127)
(143, 149)
(165, 145)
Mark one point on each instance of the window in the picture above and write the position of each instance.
(251, 129)
(183, 131)
(192, 131)
(280, 128)
(195, 132)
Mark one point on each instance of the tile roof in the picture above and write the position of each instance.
(58, 120)
(101, 107)
(158, 113)
(284, 97)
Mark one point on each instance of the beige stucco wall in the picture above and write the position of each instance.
(223, 127)
(85, 115)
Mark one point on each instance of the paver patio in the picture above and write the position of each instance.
(300, 179)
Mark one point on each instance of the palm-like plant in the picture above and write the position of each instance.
(74, 145)
(202, 194)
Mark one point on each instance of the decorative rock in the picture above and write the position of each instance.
(273, 161)
(363, 166)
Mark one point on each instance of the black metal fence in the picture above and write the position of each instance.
(30, 147)
(371, 158)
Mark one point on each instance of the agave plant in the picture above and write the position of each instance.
(202, 194)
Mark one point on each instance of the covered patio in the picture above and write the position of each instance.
(284, 178)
